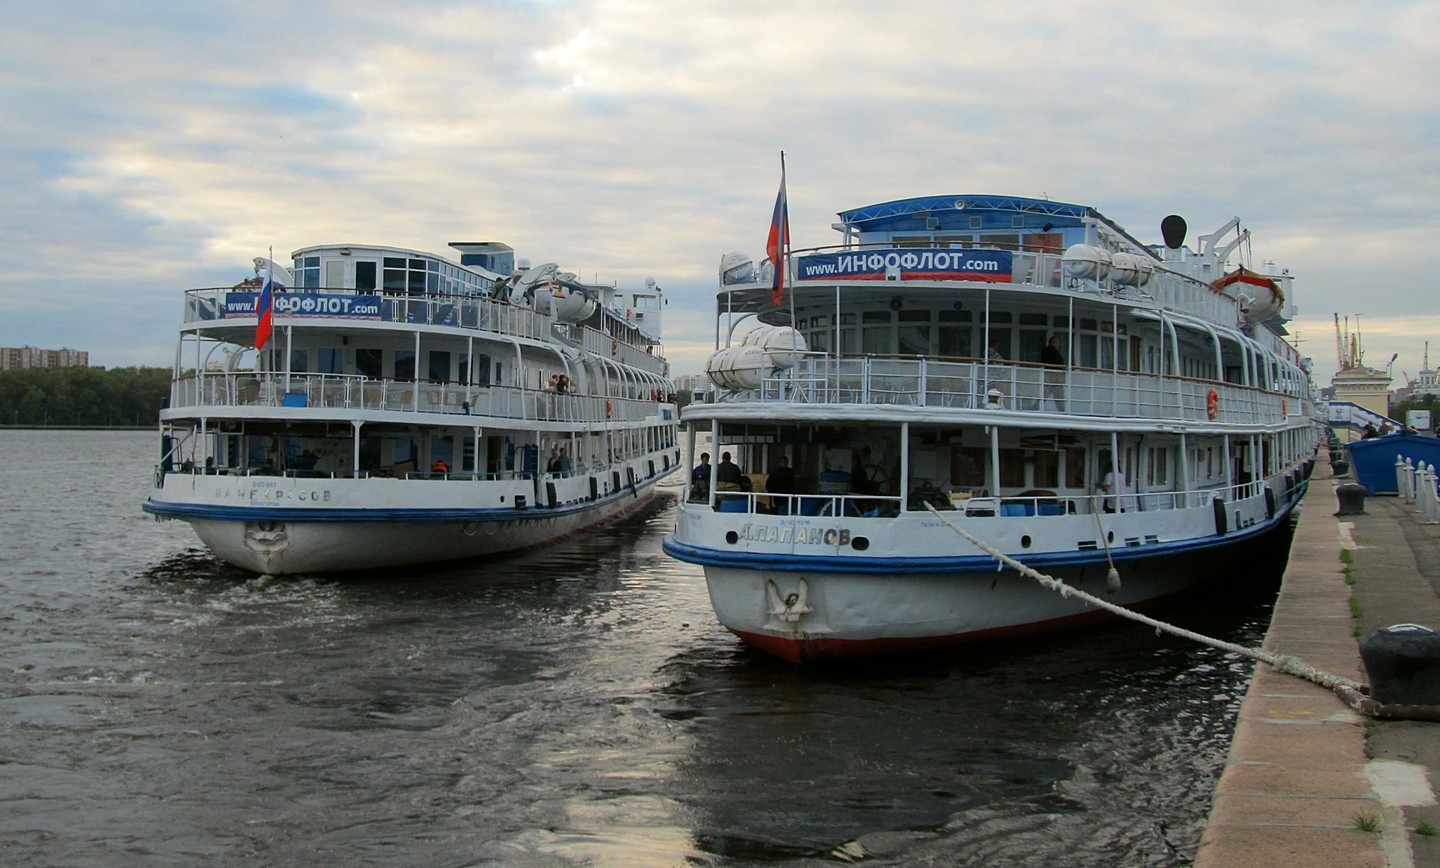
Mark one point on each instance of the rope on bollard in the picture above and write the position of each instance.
(1351, 692)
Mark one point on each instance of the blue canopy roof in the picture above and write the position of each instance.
(955, 212)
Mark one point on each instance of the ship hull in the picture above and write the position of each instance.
(287, 547)
(852, 615)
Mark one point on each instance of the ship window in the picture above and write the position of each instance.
(332, 360)
(307, 271)
(1000, 340)
(876, 333)
(299, 361)
(1047, 469)
(404, 364)
(1075, 467)
(439, 366)
(1012, 467)
(395, 280)
(915, 332)
(364, 275)
(1032, 319)
(368, 363)
(481, 369)
(1032, 342)
(953, 341)
(967, 466)
(1159, 466)
(915, 340)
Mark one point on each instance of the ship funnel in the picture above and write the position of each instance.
(1172, 229)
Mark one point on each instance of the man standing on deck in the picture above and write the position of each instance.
(1053, 358)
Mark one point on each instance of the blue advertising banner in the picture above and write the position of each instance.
(993, 266)
(306, 304)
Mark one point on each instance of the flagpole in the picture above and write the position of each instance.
(785, 257)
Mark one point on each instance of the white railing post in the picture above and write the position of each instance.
(1410, 488)
(1400, 479)
(1432, 500)
(1419, 482)
(1431, 504)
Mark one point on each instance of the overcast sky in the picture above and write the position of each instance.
(151, 147)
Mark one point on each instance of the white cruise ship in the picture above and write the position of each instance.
(1018, 369)
(404, 407)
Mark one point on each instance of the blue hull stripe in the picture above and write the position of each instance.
(965, 564)
(210, 512)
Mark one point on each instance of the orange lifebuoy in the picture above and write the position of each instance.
(1212, 404)
(1284, 411)
(607, 406)
(614, 346)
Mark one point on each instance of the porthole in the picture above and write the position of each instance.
(860, 543)
(1025, 541)
(732, 537)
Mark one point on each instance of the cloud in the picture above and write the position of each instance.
(149, 147)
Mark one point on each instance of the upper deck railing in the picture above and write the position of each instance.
(923, 382)
(310, 305)
(1165, 289)
(348, 392)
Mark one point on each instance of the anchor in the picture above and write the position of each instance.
(792, 608)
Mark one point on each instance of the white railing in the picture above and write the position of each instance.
(984, 506)
(1169, 290)
(351, 392)
(1029, 388)
(464, 312)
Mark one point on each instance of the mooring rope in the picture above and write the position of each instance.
(1351, 692)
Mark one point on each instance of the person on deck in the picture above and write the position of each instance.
(781, 479)
(700, 476)
(727, 472)
(1053, 357)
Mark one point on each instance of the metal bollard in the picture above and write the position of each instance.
(1427, 493)
(1401, 480)
(1403, 661)
(1352, 498)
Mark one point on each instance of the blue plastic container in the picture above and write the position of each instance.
(1373, 460)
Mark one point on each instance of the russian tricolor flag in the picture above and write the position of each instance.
(779, 239)
(264, 309)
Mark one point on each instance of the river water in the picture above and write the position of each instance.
(572, 706)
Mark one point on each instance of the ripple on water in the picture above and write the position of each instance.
(576, 704)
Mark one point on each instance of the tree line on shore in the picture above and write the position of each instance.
(100, 397)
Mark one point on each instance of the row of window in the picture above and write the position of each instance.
(440, 366)
(395, 274)
(954, 333)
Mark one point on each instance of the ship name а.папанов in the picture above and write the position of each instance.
(811, 536)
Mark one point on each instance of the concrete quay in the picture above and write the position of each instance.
(1308, 780)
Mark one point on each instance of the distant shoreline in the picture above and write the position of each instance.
(78, 427)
